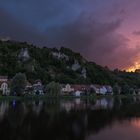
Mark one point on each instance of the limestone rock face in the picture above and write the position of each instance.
(84, 73)
(24, 54)
(76, 66)
(59, 55)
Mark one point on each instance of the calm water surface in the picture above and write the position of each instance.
(76, 119)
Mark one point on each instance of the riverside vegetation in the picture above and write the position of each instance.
(52, 64)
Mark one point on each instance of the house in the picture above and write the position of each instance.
(67, 89)
(38, 87)
(103, 90)
(95, 88)
(28, 88)
(28, 85)
(4, 85)
(74, 89)
(109, 89)
(4, 88)
(80, 89)
(77, 93)
(99, 89)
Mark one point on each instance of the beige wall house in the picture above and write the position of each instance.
(67, 88)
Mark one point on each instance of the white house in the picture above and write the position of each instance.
(96, 88)
(28, 88)
(109, 90)
(77, 93)
(99, 89)
(103, 90)
(67, 89)
(4, 85)
(4, 88)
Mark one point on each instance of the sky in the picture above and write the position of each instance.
(104, 31)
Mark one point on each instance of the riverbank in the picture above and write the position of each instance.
(44, 97)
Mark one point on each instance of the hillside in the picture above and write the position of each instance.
(60, 65)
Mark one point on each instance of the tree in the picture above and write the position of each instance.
(53, 89)
(18, 84)
(131, 91)
(116, 89)
(125, 89)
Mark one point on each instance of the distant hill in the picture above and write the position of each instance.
(60, 65)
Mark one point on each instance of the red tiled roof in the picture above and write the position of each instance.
(80, 87)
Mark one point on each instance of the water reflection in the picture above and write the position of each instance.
(3, 108)
(37, 106)
(77, 119)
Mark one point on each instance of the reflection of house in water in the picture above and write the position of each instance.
(3, 108)
(103, 103)
(37, 106)
(67, 105)
(76, 104)
(102, 89)
(25, 108)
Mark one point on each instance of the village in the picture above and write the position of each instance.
(77, 90)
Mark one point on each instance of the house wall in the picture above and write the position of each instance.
(67, 89)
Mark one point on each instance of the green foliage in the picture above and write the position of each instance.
(18, 83)
(125, 89)
(53, 89)
(116, 89)
(42, 65)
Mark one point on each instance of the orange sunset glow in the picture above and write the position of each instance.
(134, 45)
(136, 123)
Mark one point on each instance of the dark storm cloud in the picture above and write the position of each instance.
(89, 27)
(96, 41)
(11, 28)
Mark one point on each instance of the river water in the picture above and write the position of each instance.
(75, 119)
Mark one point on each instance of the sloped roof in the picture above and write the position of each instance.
(3, 77)
(80, 87)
